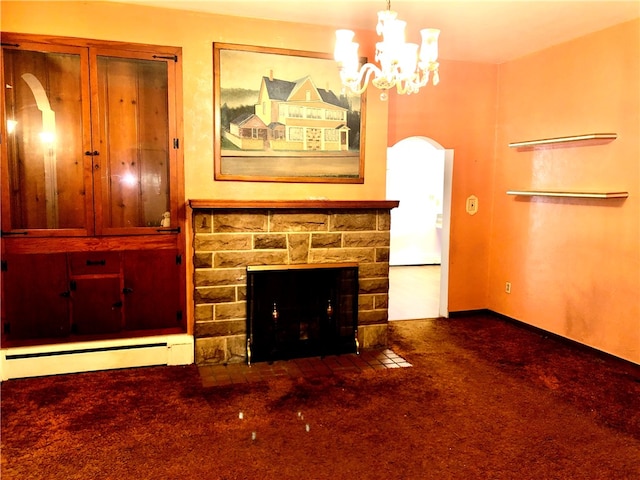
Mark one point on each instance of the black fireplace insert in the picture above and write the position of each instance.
(296, 311)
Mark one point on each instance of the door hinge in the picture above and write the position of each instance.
(178, 259)
(176, 143)
(3, 266)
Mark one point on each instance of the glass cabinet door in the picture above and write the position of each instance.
(135, 151)
(46, 126)
(89, 144)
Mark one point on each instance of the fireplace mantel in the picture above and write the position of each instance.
(289, 204)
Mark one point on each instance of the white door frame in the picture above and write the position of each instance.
(443, 308)
(446, 231)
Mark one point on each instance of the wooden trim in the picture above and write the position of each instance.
(55, 40)
(87, 145)
(84, 244)
(295, 204)
(189, 269)
(5, 192)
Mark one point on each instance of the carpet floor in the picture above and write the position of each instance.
(484, 399)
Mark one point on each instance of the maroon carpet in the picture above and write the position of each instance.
(484, 400)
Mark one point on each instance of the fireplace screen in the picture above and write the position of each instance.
(296, 311)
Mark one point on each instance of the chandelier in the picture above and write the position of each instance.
(401, 64)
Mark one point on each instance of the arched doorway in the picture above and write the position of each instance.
(419, 174)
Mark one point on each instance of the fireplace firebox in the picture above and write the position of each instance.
(296, 311)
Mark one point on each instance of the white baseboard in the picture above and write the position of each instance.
(36, 361)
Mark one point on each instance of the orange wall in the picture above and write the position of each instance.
(195, 33)
(574, 265)
(459, 113)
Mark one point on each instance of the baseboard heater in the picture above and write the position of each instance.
(35, 361)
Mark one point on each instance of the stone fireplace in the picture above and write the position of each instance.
(229, 236)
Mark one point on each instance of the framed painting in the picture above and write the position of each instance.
(282, 116)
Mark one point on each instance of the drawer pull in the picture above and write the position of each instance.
(93, 263)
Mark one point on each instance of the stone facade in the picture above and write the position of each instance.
(226, 241)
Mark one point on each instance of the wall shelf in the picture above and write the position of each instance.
(569, 139)
(544, 193)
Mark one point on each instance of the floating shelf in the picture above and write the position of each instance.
(539, 193)
(556, 140)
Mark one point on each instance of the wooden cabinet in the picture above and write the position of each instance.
(91, 137)
(66, 295)
(92, 188)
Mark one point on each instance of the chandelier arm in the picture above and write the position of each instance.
(401, 87)
(358, 85)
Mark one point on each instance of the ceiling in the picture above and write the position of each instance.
(472, 30)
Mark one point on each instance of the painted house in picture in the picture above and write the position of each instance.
(248, 132)
(292, 116)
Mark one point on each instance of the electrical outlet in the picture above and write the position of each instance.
(507, 287)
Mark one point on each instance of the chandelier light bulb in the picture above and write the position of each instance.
(406, 66)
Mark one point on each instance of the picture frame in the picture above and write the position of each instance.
(282, 115)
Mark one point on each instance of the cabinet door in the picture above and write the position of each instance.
(46, 175)
(97, 305)
(134, 104)
(152, 289)
(35, 296)
(92, 137)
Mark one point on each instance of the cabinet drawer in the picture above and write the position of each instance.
(94, 263)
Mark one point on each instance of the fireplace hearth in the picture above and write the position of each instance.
(296, 311)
